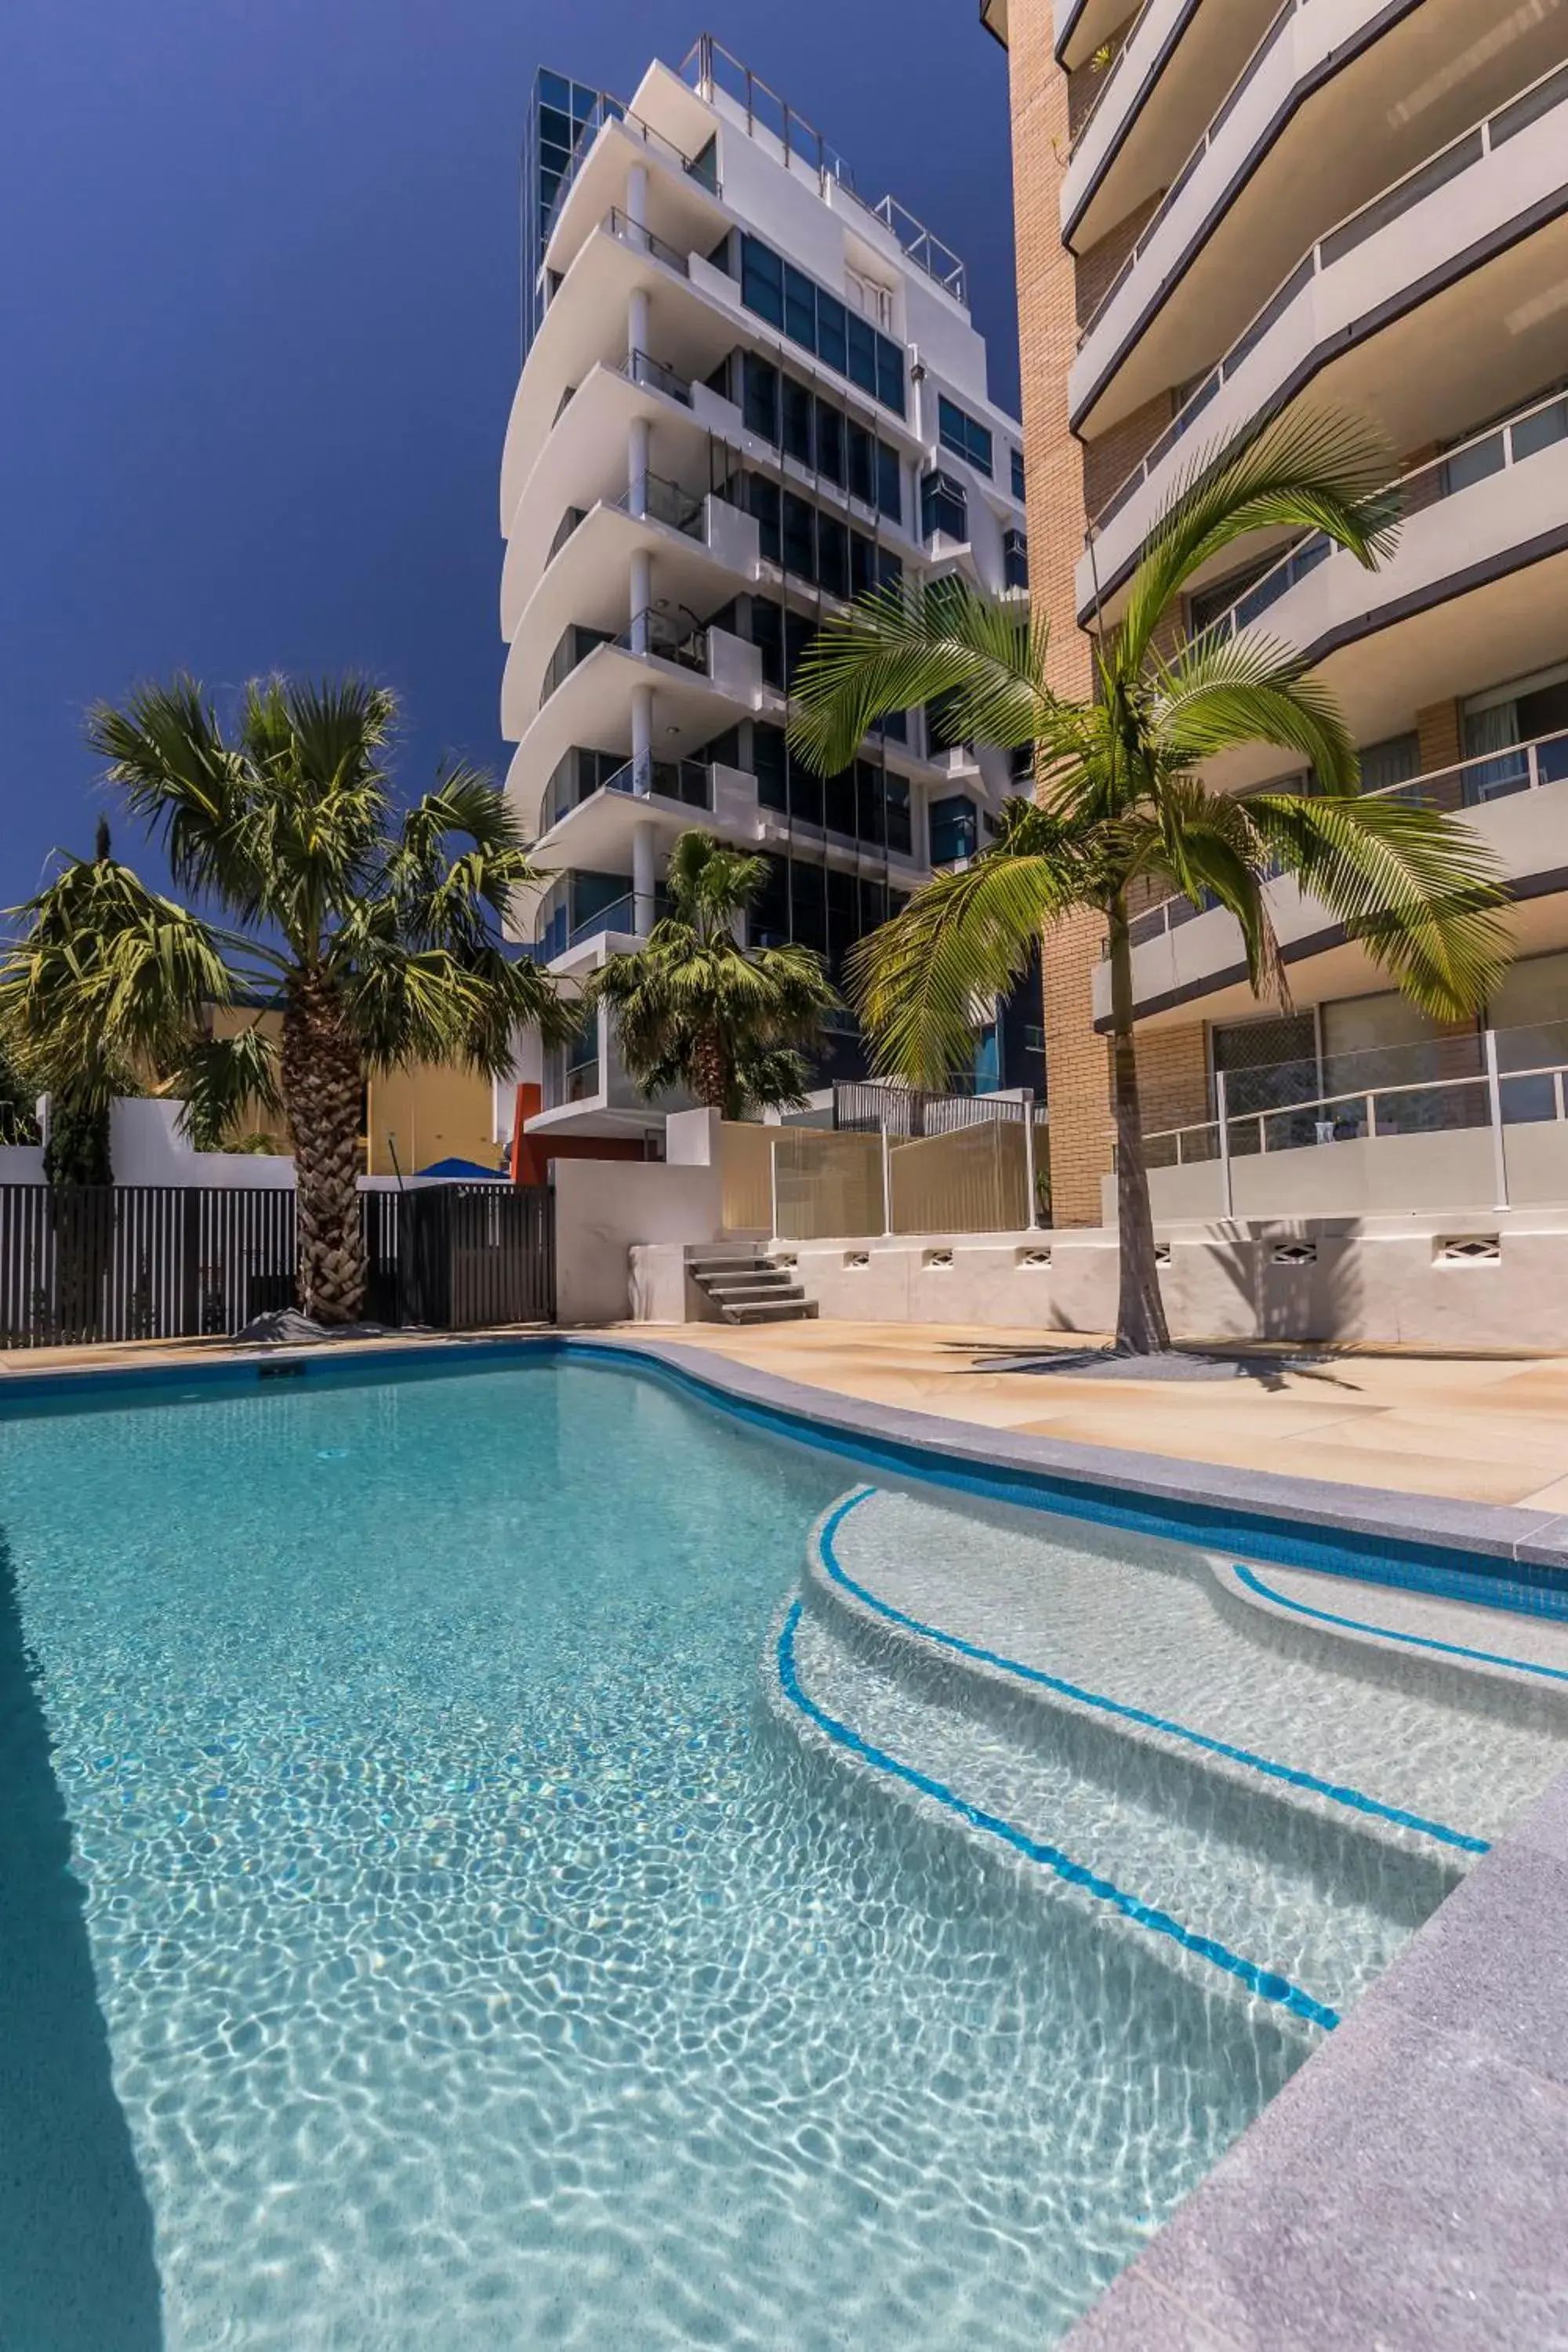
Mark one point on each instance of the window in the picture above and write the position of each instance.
(861, 465)
(829, 444)
(963, 434)
(889, 484)
(896, 793)
(767, 636)
(799, 537)
(797, 407)
(862, 564)
(763, 501)
(832, 347)
(759, 397)
(862, 355)
(800, 308)
(954, 829)
(889, 374)
(1017, 459)
(945, 507)
(770, 765)
(805, 795)
(870, 805)
(839, 808)
(799, 631)
(832, 555)
(870, 297)
(761, 280)
(1014, 560)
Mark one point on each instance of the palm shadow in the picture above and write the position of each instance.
(77, 2266)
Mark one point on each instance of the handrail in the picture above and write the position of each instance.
(1450, 161)
(1273, 583)
(653, 632)
(605, 110)
(642, 239)
(1486, 776)
(656, 499)
(1216, 124)
(702, 69)
(642, 368)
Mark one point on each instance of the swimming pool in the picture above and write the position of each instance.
(453, 1953)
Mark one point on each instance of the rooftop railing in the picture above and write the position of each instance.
(1523, 435)
(1448, 163)
(1226, 109)
(1468, 784)
(708, 69)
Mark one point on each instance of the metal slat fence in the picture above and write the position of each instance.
(173, 1262)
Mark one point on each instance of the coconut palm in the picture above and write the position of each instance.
(375, 935)
(1120, 804)
(694, 1009)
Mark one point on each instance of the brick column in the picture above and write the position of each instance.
(1076, 1061)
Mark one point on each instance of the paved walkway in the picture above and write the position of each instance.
(1483, 1429)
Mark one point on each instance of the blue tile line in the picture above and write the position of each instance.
(1288, 1772)
(1262, 1981)
(1388, 1632)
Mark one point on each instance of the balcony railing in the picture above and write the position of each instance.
(1523, 435)
(1469, 783)
(640, 367)
(1515, 1078)
(669, 636)
(702, 168)
(654, 498)
(643, 240)
(708, 69)
(618, 919)
(1460, 154)
(1228, 106)
(1108, 78)
(691, 782)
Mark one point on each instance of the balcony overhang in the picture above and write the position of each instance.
(593, 706)
(681, 209)
(596, 836)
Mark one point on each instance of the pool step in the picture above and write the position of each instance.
(749, 1288)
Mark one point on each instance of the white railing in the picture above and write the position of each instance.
(1521, 1079)
(1459, 155)
(1221, 115)
(1494, 451)
(1468, 784)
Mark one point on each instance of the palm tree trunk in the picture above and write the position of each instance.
(1141, 1328)
(711, 1070)
(322, 1082)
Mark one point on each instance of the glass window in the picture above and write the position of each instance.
(890, 483)
(862, 564)
(838, 803)
(722, 750)
(800, 308)
(1533, 433)
(720, 256)
(1014, 559)
(761, 280)
(767, 636)
(954, 829)
(832, 555)
(763, 500)
(889, 569)
(805, 794)
(862, 354)
(1017, 457)
(963, 434)
(808, 905)
(769, 919)
(829, 444)
(831, 344)
(771, 766)
(843, 912)
(894, 725)
(760, 398)
(796, 405)
(861, 462)
(896, 792)
(799, 537)
(945, 507)
(870, 806)
(890, 376)
(799, 631)
(1392, 762)
(873, 906)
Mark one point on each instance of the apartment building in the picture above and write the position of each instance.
(1227, 209)
(747, 394)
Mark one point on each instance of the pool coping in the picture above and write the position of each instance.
(1406, 2187)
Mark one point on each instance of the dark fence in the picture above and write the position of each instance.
(171, 1262)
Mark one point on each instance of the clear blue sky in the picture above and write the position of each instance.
(259, 290)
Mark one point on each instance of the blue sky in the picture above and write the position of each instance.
(258, 283)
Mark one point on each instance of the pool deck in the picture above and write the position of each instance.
(1407, 2190)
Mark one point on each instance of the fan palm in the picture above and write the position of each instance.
(1121, 806)
(694, 1009)
(377, 935)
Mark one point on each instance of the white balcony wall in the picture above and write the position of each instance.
(1388, 1175)
(732, 537)
(735, 667)
(1485, 202)
(734, 799)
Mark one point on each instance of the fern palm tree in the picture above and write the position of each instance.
(377, 935)
(694, 1009)
(1121, 803)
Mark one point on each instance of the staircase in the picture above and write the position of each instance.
(747, 1288)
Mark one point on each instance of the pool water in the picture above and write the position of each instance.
(414, 1934)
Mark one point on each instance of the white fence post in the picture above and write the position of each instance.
(1034, 1217)
(773, 1187)
(1494, 1105)
(887, 1183)
(1227, 1205)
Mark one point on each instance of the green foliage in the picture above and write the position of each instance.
(694, 1010)
(77, 1153)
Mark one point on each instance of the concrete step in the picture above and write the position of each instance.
(710, 1269)
(740, 1285)
(773, 1310)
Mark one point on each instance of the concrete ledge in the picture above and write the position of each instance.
(1407, 2190)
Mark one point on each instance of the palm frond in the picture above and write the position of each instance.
(225, 1081)
(1223, 693)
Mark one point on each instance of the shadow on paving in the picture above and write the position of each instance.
(76, 2268)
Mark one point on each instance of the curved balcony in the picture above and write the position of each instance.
(1304, 138)
(685, 200)
(1185, 958)
(701, 547)
(1127, 149)
(1418, 302)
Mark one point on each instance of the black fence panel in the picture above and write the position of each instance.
(474, 1256)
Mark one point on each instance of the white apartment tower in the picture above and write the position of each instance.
(747, 396)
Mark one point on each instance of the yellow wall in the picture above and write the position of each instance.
(433, 1113)
(228, 1021)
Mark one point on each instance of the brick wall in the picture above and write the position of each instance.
(1108, 461)
(1098, 266)
(1440, 733)
(1086, 82)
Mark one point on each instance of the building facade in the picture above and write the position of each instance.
(1228, 210)
(747, 396)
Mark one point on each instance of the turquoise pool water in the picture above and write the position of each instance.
(414, 1934)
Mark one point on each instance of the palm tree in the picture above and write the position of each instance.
(1119, 805)
(695, 1009)
(377, 936)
